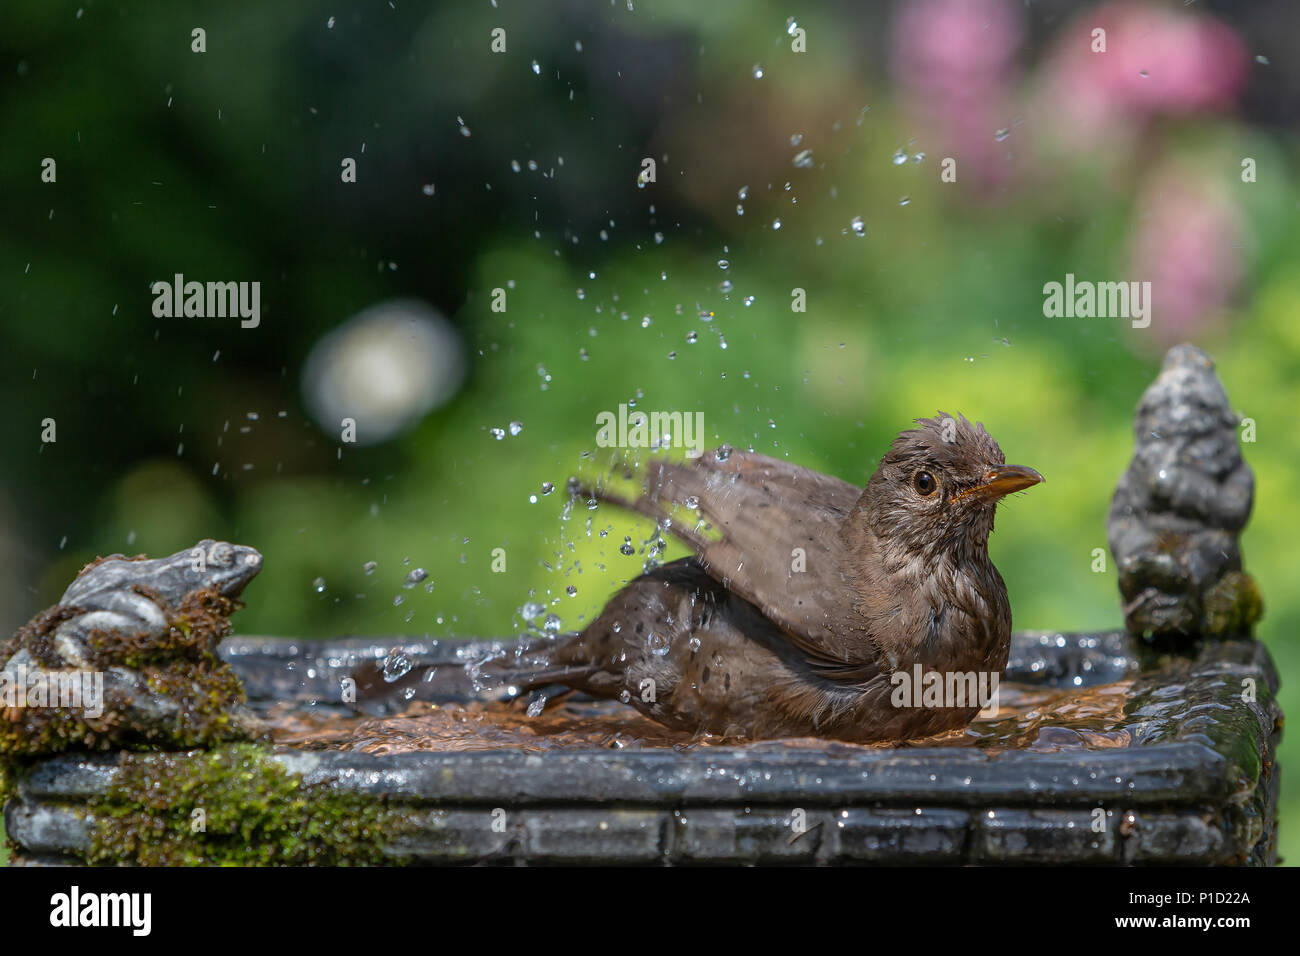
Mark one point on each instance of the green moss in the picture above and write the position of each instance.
(6, 790)
(253, 812)
(1232, 606)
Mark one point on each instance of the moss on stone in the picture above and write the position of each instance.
(37, 634)
(254, 812)
(1232, 606)
(7, 776)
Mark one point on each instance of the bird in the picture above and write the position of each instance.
(806, 596)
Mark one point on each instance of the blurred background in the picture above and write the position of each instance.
(503, 269)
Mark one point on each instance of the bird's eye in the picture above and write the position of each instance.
(924, 483)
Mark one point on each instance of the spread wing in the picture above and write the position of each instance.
(768, 530)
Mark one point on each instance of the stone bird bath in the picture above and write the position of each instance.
(1151, 747)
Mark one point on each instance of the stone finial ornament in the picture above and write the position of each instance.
(1180, 506)
(127, 658)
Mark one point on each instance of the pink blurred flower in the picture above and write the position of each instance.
(954, 62)
(955, 48)
(1189, 245)
(1157, 60)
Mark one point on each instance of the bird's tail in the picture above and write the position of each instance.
(479, 670)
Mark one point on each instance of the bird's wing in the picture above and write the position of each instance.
(768, 530)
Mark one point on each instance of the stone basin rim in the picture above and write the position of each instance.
(1162, 774)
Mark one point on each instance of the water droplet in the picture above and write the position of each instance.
(571, 591)
(547, 487)
(318, 585)
(329, 24)
(535, 707)
(1001, 135)
(758, 71)
(498, 433)
(414, 577)
(396, 665)
(657, 644)
(692, 502)
(369, 567)
(692, 337)
(804, 159)
(537, 68)
(626, 547)
(531, 610)
(918, 158)
(723, 453)
(744, 193)
(905, 200)
(516, 427)
(427, 189)
(724, 264)
(858, 226)
(900, 157)
(776, 223)
(1261, 58)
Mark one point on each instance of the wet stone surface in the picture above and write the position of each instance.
(1101, 752)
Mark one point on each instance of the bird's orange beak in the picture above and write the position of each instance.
(1001, 480)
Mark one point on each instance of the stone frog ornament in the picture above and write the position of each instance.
(127, 658)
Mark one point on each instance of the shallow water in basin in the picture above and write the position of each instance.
(1029, 718)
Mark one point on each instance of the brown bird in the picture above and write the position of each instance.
(805, 596)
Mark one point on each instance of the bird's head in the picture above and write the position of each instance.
(938, 486)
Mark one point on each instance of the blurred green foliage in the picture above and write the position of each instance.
(225, 165)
